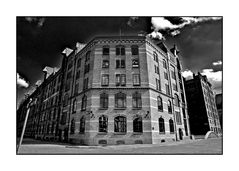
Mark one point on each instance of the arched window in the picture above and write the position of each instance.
(82, 124)
(84, 102)
(137, 101)
(72, 126)
(155, 56)
(120, 100)
(171, 126)
(161, 126)
(120, 124)
(103, 101)
(74, 106)
(138, 125)
(169, 106)
(134, 50)
(160, 103)
(103, 123)
(176, 100)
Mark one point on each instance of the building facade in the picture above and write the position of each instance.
(117, 90)
(203, 115)
(219, 107)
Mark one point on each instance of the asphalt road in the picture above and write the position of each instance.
(209, 146)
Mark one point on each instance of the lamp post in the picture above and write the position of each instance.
(24, 125)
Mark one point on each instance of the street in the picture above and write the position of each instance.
(201, 146)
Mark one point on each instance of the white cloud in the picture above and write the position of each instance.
(217, 63)
(160, 23)
(39, 20)
(156, 35)
(188, 74)
(214, 76)
(175, 32)
(21, 81)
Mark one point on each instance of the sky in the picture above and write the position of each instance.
(40, 41)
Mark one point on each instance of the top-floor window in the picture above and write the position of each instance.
(120, 50)
(87, 56)
(176, 100)
(164, 64)
(106, 50)
(155, 56)
(134, 50)
(70, 65)
(79, 63)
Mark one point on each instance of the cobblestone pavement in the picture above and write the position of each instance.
(210, 146)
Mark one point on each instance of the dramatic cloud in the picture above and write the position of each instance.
(156, 35)
(21, 82)
(160, 24)
(217, 63)
(211, 75)
(188, 74)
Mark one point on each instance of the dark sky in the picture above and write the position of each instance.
(40, 41)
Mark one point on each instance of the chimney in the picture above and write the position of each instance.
(47, 72)
(79, 46)
(67, 51)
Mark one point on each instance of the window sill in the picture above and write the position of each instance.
(137, 108)
(120, 133)
(103, 108)
(123, 108)
(137, 133)
(160, 110)
(162, 133)
(171, 132)
(102, 133)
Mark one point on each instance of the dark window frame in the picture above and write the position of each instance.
(120, 124)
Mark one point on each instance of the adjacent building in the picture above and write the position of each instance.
(219, 107)
(113, 90)
(202, 110)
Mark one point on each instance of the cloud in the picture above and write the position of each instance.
(156, 35)
(188, 74)
(211, 75)
(217, 63)
(21, 82)
(160, 24)
(38, 20)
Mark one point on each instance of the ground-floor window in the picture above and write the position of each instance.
(82, 124)
(161, 126)
(120, 124)
(171, 126)
(103, 124)
(138, 125)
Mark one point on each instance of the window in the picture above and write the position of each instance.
(155, 56)
(87, 68)
(52, 128)
(103, 123)
(156, 69)
(166, 75)
(164, 64)
(120, 124)
(178, 118)
(175, 88)
(137, 125)
(106, 50)
(84, 102)
(169, 106)
(82, 125)
(120, 80)
(105, 80)
(136, 79)
(135, 63)
(120, 50)
(65, 102)
(158, 84)
(76, 88)
(134, 50)
(79, 63)
(161, 126)
(105, 64)
(78, 74)
(137, 101)
(69, 75)
(167, 89)
(120, 63)
(85, 84)
(173, 73)
(72, 126)
(70, 65)
(160, 103)
(103, 100)
(171, 126)
(176, 100)
(74, 106)
(87, 56)
(120, 100)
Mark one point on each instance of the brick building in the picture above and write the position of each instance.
(202, 111)
(115, 90)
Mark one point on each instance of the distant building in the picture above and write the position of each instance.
(113, 90)
(203, 115)
(219, 107)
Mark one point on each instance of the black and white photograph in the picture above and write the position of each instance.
(130, 85)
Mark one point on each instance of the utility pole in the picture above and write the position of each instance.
(24, 126)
